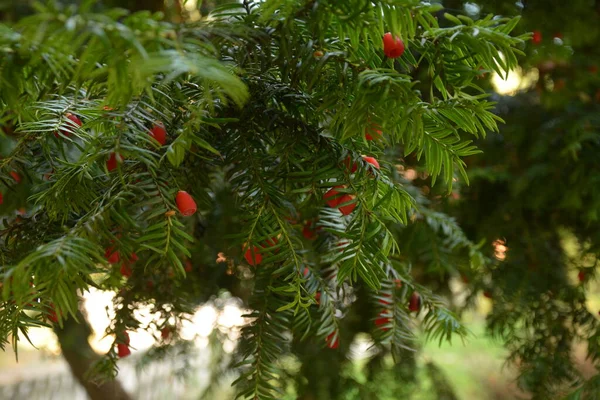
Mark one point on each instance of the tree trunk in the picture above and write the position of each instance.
(80, 356)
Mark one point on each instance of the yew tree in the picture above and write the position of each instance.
(262, 150)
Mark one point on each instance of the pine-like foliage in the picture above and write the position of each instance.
(267, 106)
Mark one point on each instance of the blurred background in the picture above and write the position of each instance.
(539, 177)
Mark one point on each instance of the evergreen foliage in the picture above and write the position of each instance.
(267, 107)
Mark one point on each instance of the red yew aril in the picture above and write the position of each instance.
(185, 203)
(253, 256)
(385, 302)
(372, 161)
(123, 350)
(415, 302)
(74, 121)
(393, 47)
(159, 133)
(306, 271)
(373, 133)
(308, 232)
(1, 198)
(581, 276)
(15, 176)
(332, 197)
(165, 332)
(331, 342)
(537, 37)
(487, 294)
(350, 165)
(383, 320)
(112, 256)
(318, 297)
(188, 266)
(113, 162)
(52, 316)
(348, 208)
(133, 258)
(126, 270)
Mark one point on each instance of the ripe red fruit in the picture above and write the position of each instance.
(123, 350)
(253, 256)
(332, 197)
(133, 258)
(112, 256)
(113, 162)
(15, 176)
(385, 302)
(188, 266)
(74, 119)
(372, 161)
(487, 294)
(126, 270)
(350, 165)
(318, 297)
(52, 316)
(348, 208)
(393, 47)
(185, 203)
(331, 343)
(581, 276)
(165, 332)
(383, 320)
(318, 53)
(373, 132)
(305, 272)
(159, 133)
(1, 198)
(537, 37)
(308, 231)
(415, 302)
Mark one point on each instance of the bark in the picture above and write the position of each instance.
(80, 356)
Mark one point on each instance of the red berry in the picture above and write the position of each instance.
(52, 316)
(318, 297)
(15, 176)
(74, 121)
(306, 271)
(350, 165)
(113, 162)
(112, 256)
(385, 302)
(308, 231)
(372, 161)
(348, 208)
(581, 276)
(1, 198)
(165, 332)
(415, 302)
(373, 132)
(188, 266)
(331, 342)
(383, 320)
(392, 47)
(133, 258)
(185, 203)
(487, 294)
(332, 197)
(123, 350)
(253, 256)
(126, 270)
(537, 37)
(159, 133)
